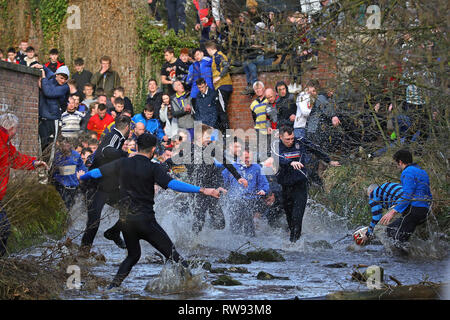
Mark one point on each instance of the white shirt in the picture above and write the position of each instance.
(303, 109)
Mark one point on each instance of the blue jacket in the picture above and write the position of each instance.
(66, 169)
(256, 182)
(206, 108)
(287, 175)
(52, 97)
(199, 70)
(151, 125)
(416, 188)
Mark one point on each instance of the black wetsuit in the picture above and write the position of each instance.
(137, 178)
(106, 189)
(209, 176)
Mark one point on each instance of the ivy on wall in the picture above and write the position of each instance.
(52, 14)
(152, 40)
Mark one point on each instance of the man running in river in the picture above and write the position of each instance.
(137, 178)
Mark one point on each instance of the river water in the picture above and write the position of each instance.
(305, 264)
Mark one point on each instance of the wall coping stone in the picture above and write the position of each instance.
(20, 68)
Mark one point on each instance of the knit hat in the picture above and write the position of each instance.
(63, 70)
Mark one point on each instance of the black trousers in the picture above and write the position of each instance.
(222, 116)
(203, 205)
(67, 194)
(143, 226)
(47, 132)
(96, 200)
(242, 214)
(294, 204)
(402, 228)
(5, 231)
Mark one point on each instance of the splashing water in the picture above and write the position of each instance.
(175, 279)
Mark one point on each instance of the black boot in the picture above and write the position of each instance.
(116, 238)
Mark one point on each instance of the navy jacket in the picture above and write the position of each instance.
(52, 97)
(206, 108)
(287, 175)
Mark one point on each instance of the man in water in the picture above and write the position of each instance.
(415, 202)
(105, 191)
(381, 197)
(137, 178)
(292, 177)
(205, 167)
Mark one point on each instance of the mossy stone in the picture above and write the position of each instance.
(267, 255)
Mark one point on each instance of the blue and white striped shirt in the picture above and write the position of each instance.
(384, 197)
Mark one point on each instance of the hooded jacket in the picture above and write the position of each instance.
(185, 119)
(156, 101)
(198, 70)
(52, 96)
(286, 107)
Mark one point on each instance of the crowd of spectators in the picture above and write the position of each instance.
(78, 108)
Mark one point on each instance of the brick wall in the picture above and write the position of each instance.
(19, 94)
(239, 112)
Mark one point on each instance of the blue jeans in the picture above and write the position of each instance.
(251, 68)
(299, 132)
(4, 231)
(176, 15)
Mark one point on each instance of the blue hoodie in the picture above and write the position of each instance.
(52, 96)
(256, 181)
(151, 125)
(199, 70)
(66, 169)
(416, 188)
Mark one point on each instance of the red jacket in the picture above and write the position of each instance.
(98, 125)
(203, 9)
(11, 158)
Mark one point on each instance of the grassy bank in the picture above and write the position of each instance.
(35, 211)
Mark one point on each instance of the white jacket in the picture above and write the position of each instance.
(171, 127)
(303, 109)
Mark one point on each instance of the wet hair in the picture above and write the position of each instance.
(404, 155)
(145, 142)
(286, 129)
(122, 122)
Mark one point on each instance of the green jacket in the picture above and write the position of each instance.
(108, 81)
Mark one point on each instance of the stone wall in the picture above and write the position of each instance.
(19, 94)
